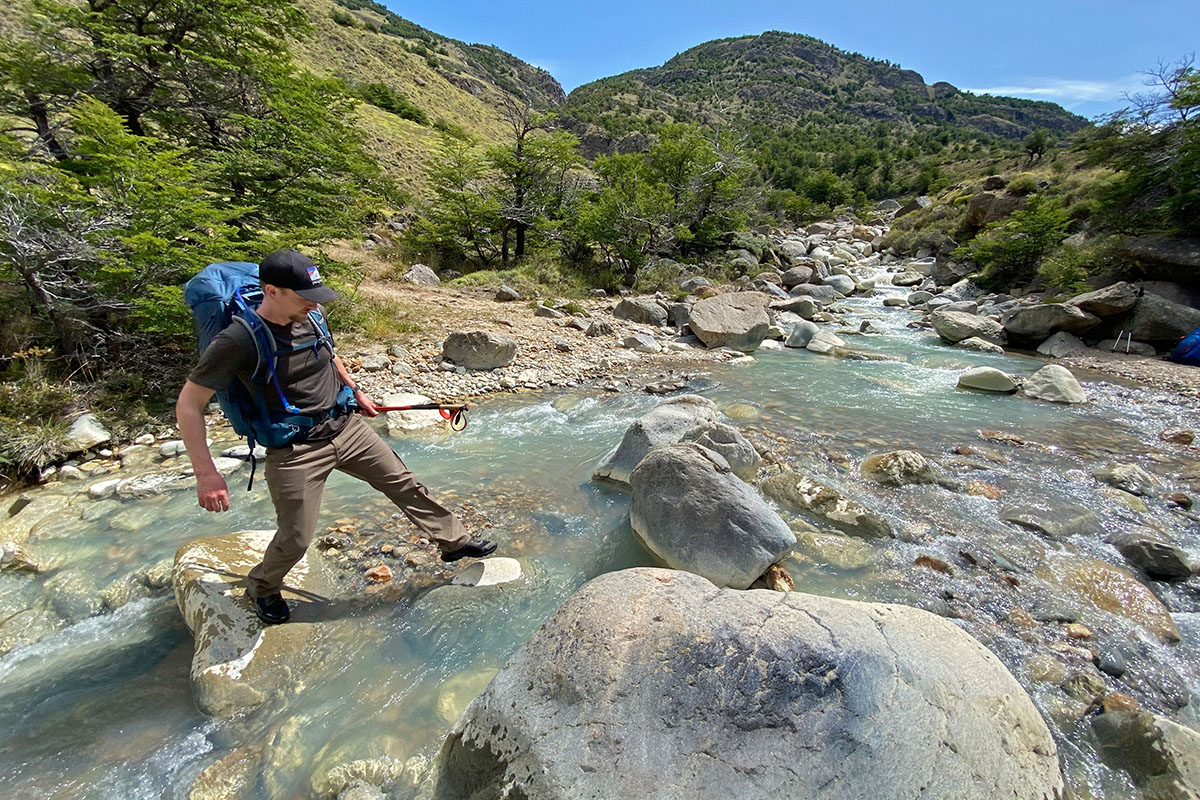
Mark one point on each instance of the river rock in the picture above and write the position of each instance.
(908, 278)
(727, 440)
(642, 310)
(1056, 520)
(238, 663)
(796, 276)
(821, 294)
(1055, 384)
(664, 424)
(85, 433)
(801, 493)
(15, 558)
(803, 307)
(641, 343)
(1157, 320)
(489, 572)
(1114, 590)
(1127, 477)
(650, 678)
(895, 302)
(156, 483)
(1162, 757)
(421, 274)
(988, 379)
(374, 362)
(693, 283)
(824, 342)
(899, 468)
(74, 596)
(738, 320)
(802, 333)
(980, 345)
(841, 283)
(1060, 344)
(1110, 300)
(917, 298)
(693, 513)
(954, 326)
(479, 349)
(1036, 322)
(1159, 559)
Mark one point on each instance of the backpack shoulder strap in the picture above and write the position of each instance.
(321, 328)
(263, 340)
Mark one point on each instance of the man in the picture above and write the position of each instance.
(309, 379)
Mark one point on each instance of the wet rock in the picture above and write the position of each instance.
(1178, 435)
(409, 420)
(899, 468)
(1116, 591)
(801, 334)
(1127, 477)
(1078, 631)
(1086, 687)
(1055, 384)
(1162, 757)
(1118, 701)
(804, 494)
(800, 695)
(726, 440)
(908, 278)
(834, 550)
(1158, 559)
(981, 345)
(231, 776)
(381, 573)
(738, 320)
(85, 433)
(665, 424)
(987, 379)
(15, 558)
(124, 591)
(26, 626)
(479, 349)
(43, 508)
(489, 572)
(238, 664)
(459, 691)
(1131, 501)
(693, 513)
(1056, 520)
(936, 564)
(74, 596)
(1045, 668)
(954, 326)
(134, 518)
(982, 489)
(1109, 660)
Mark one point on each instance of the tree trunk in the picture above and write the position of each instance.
(62, 325)
(41, 119)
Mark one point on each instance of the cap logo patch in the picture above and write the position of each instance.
(314, 277)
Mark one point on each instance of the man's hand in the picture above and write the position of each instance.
(364, 404)
(212, 492)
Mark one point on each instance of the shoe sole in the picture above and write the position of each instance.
(450, 558)
(269, 621)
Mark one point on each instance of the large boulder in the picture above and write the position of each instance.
(802, 333)
(423, 275)
(479, 349)
(988, 207)
(1157, 320)
(648, 682)
(843, 284)
(1054, 383)
(1061, 344)
(954, 326)
(662, 425)
(796, 276)
(696, 515)
(1036, 322)
(822, 294)
(738, 320)
(238, 663)
(916, 204)
(727, 440)
(1162, 757)
(1110, 300)
(801, 493)
(987, 379)
(1165, 258)
(643, 310)
(1113, 590)
(947, 272)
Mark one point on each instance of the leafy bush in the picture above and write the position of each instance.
(383, 96)
(1023, 185)
(345, 19)
(1069, 266)
(1010, 251)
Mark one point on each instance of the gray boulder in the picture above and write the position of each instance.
(917, 298)
(1060, 344)
(954, 326)
(803, 307)
(1165, 258)
(1054, 383)
(85, 433)
(824, 342)
(898, 468)
(693, 283)
(796, 276)
(802, 333)
(1128, 478)
(545, 311)
(822, 294)
(641, 343)
(975, 343)
(987, 379)
(1156, 319)
(1161, 756)
(643, 310)
(1159, 559)
(1107, 301)
(599, 328)
(887, 205)
(1036, 322)
(692, 512)
(507, 294)
(665, 424)
(916, 204)
(738, 320)
(843, 284)
(649, 682)
(907, 278)
(727, 440)
(479, 349)
(421, 274)
(1127, 346)
(987, 207)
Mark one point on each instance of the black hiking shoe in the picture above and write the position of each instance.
(272, 609)
(475, 548)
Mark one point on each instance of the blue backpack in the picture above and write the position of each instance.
(229, 292)
(1188, 350)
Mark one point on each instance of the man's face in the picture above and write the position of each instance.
(290, 304)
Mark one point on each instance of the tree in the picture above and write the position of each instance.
(463, 216)
(1010, 251)
(629, 215)
(1035, 144)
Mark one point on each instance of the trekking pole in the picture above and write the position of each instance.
(1117, 343)
(455, 412)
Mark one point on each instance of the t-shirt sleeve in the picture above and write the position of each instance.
(230, 354)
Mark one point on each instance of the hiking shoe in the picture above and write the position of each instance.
(272, 609)
(475, 548)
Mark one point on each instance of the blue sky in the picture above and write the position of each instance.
(1082, 54)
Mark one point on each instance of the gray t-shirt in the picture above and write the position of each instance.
(307, 377)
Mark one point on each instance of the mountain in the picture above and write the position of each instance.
(781, 79)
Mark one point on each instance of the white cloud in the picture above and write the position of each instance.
(1067, 91)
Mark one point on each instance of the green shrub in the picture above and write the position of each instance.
(1023, 185)
(1010, 251)
(383, 96)
(343, 18)
(1069, 266)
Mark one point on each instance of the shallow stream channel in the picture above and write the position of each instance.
(100, 705)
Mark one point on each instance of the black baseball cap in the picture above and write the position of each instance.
(289, 269)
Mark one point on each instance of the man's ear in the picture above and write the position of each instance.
(270, 290)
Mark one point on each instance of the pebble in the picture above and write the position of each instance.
(381, 573)
(1077, 631)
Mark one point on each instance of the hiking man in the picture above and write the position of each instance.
(307, 379)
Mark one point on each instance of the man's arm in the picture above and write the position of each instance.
(211, 490)
(364, 402)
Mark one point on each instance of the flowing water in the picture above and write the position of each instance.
(102, 707)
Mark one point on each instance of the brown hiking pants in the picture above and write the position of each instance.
(296, 475)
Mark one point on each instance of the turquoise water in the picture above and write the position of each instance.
(102, 707)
